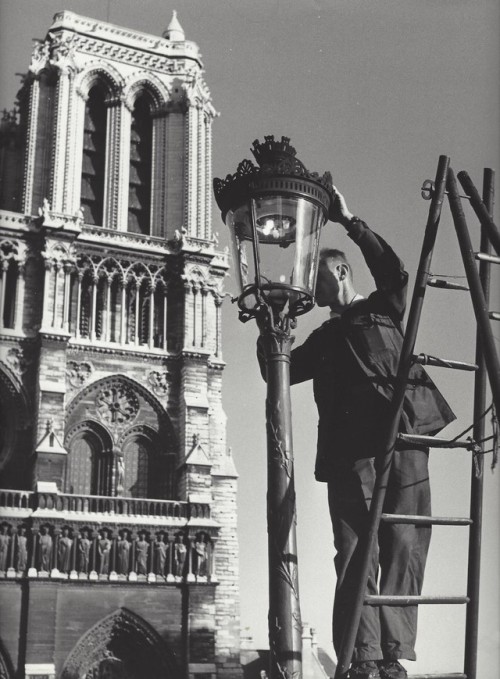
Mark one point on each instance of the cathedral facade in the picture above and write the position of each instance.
(118, 546)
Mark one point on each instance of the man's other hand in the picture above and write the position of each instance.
(339, 212)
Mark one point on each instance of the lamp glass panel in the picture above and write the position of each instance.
(287, 230)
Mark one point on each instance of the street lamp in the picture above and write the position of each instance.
(275, 212)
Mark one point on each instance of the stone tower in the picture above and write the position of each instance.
(118, 548)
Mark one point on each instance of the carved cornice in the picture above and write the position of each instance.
(118, 36)
(15, 221)
(123, 240)
(145, 355)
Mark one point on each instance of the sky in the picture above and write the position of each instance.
(373, 92)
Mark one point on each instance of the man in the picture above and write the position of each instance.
(352, 360)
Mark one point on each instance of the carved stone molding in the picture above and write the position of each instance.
(17, 361)
(160, 382)
(78, 374)
(62, 52)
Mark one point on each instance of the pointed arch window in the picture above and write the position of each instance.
(94, 157)
(141, 141)
(89, 468)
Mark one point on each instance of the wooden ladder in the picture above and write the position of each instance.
(487, 366)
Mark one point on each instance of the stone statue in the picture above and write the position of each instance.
(64, 551)
(45, 549)
(120, 472)
(123, 547)
(104, 548)
(84, 552)
(200, 547)
(4, 547)
(44, 210)
(141, 554)
(180, 552)
(161, 554)
(22, 550)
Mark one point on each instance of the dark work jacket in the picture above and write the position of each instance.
(353, 423)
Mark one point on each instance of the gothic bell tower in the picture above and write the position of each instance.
(119, 491)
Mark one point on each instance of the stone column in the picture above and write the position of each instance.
(33, 559)
(123, 162)
(78, 303)
(67, 287)
(123, 313)
(107, 306)
(46, 292)
(196, 289)
(31, 147)
(137, 311)
(151, 557)
(151, 317)
(57, 269)
(190, 574)
(5, 268)
(218, 299)
(208, 175)
(191, 175)
(201, 179)
(63, 142)
(93, 310)
(204, 327)
(170, 555)
(18, 318)
(114, 152)
(165, 309)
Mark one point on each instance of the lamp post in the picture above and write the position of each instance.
(275, 211)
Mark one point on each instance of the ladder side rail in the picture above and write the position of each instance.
(481, 209)
(491, 358)
(476, 501)
(384, 464)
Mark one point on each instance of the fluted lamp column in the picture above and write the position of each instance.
(275, 211)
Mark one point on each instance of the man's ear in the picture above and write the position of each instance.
(343, 270)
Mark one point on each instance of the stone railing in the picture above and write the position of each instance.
(129, 508)
(15, 499)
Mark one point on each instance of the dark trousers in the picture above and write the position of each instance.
(387, 632)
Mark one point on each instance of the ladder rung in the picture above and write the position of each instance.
(494, 315)
(484, 257)
(438, 676)
(435, 441)
(426, 520)
(425, 359)
(401, 600)
(440, 283)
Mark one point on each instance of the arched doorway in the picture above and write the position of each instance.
(121, 646)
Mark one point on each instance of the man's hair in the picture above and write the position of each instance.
(338, 256)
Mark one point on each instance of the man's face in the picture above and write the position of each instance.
(327, 285)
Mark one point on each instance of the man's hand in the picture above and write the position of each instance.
(339, 212)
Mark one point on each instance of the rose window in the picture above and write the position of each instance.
(117, 405)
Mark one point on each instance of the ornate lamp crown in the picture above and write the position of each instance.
(270, 151)
(275, 158)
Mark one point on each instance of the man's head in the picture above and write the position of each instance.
(334, 286)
